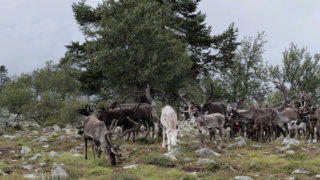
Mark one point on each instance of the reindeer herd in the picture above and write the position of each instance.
(256, 123)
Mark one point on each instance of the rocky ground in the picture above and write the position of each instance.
(55, 152)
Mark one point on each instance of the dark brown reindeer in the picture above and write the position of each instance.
(122, 114)
(263, 123)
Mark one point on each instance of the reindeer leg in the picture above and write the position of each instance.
(92, 149)
(86, 146)
(317, 131)
(112, 158)
(153, 131)
(163, 138)
(134, 136)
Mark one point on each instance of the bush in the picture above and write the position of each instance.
(159, 161)
(68, 114)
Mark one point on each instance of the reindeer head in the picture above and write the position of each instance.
(86, 111)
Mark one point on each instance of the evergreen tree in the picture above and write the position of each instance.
(134, 43)
(4, 78)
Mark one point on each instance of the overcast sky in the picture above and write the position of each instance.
(34, 31)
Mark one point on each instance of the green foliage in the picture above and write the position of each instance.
(299, 72)
(45, 109)
(43, 95)
(134, 43)
(68, 113)
(16, 98)
(4, 78)
(246, 80)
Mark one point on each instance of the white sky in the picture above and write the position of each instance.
(34, 31)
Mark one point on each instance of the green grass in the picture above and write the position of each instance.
(261, 162)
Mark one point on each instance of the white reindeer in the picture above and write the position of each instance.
(169, 127)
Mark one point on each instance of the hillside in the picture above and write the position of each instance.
(53, 148)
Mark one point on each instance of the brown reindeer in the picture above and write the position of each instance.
(96, 131)
(207, 124)
(263, 123)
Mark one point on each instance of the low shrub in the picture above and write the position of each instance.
(158, 160)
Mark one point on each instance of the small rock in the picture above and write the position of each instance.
(304, 149)
(252, 164)
(290, 152)
(12, 152)
(58, 173)
(170, 156)
(207, 152)
(318, 176)
(176, 151)
(73, 151)
(188, 159)
(291, 178)
(285, 148)
(239, 155)
(205, 161)
(8, 136)
(281, 155)
(61, 137)
(35, 157)
(242, 178)
(231, 168)
(53, 154)
(43, 164)
(130, 166)
(300, 171)
(79, 147)
(68, 126)
(25, 150)
(241, 142)
(31, 176)
(35, 132)
(290, 141)
(76, 155)
(68, 131)
(43, 139)
(45, 146)
(56, 127)
(28, 167)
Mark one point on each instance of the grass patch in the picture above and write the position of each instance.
(158, 160)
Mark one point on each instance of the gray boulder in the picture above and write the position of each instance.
(290, 152)
(35, 157)
(31, 176)
(28, 167)
(170, 156)
(53, 154)
(207, 152)
(130, 166)
(205, 161)
(242, 178)
(56, 127)
(240, 142)
(290, 141)
(300, 171)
